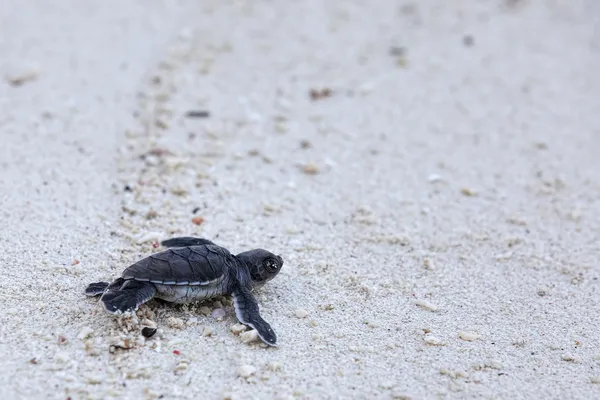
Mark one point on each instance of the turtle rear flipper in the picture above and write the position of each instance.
(185, 241)
(246, 310)
(127, 296)
(96, 288)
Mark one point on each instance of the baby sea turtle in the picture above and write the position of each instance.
(194, 269)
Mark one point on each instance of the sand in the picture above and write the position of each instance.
(428, 172)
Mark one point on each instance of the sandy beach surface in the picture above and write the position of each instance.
(428, 171)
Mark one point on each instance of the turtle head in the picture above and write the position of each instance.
(262, 265)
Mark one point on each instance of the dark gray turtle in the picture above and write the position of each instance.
(194, 269)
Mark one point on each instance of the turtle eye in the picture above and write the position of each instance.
(270, 264)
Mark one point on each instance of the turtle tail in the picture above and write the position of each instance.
(126, 295)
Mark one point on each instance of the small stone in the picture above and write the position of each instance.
(217, 304)
(595, 380)
(19, 79)
(192, 321)
(61, 357)
(468, 192)
(542, 292)
(301, 313)
(305, 144)
(313, 323)
(94, 379)
(428, 263)
(218, 313)
(148, 332)
(238, 328)
(433, 340)
(280, 127)
(246, 371)
(249, 336)
(181, 366)
(426, 305)
(207, 331)
(204, 311)
(468, 40)
(85, 332)
(176, 323)
(151, 214)
(145, 237)
(310, 169)
(274, 366)
(433, 178)
(179, 191)
(468, 336)
(147, 322)
(198, 220)
(570, 357)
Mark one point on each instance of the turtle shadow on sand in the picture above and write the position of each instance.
(191, 270)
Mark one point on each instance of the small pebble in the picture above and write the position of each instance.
(197, 114)
(433, 178)
(176, 323)
(433, 340)
(249, 336)
(595, 380)
(468, 336)
(85, 332)
(245, 371)
(238, 328)
(428, 263)
(204, 311)
(151, 214)
(147, 322)
(468, 40)
(217, 304)
(62, 357)
(181, 366)
(207, 331)
(198, 220)
(148, 237)
(301, 313)
(305, 144)
(192, 321)
(427, 305)
(310, 169)
(274, 366)
(569, 357)
(23, 77)
(148, 332)
(218, 313)
(94, 379)
(468, 192)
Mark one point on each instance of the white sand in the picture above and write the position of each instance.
(446, 246)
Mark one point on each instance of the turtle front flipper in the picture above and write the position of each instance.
(127, 295)
(185, 241)
(246, 309)
(96, 288)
